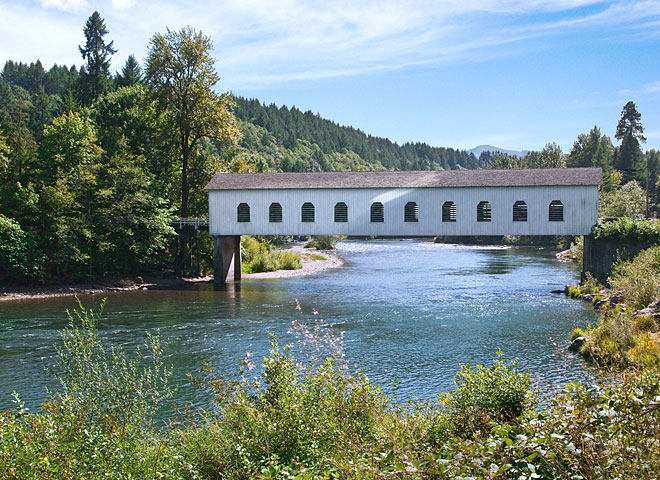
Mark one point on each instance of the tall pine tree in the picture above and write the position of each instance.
(629, 159)
(131, 73)
(95, 75)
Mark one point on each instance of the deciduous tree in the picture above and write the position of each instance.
(180, 75)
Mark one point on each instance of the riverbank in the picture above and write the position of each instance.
(311, 264)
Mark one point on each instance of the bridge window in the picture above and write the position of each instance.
(520, 211)
(275, 213)
(556, 211)
(341, 212)
(483, 212)
(243, 212)
(449, 212)
(307, 212)
(411, 212)
(377, 212)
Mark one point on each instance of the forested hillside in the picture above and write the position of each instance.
(312, 143)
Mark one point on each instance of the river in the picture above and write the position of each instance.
(412, 313)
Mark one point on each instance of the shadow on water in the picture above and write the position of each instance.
(499, 262)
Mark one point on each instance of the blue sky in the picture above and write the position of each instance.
(458, 73)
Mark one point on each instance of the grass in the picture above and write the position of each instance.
(621, 339)
(589, 286)
(639, 278)
(313, 256)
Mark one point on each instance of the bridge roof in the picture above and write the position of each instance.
(407, 179)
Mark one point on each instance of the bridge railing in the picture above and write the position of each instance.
(190, 223)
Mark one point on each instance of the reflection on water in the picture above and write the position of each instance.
(411, 311)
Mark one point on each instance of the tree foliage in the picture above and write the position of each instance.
(19, 258)
(625, 201)
(592, 150)
(180, 75)
(95, 76)
(629, 158)
(292, 140)
(550, 157)
(131, 73)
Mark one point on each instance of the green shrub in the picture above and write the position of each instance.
(292, 415)
(261, 262)
(323, 242)
(258, 257)
(611, 339)
(590, 285)
(289, 261)
(273, 260)
(638, 279)
(577, 333)
(104, 387)
(19, 258)
(314, 256)
(644, 323)
(251, 248)
(628, 230)
(646, 352)
(574, 291)
(99, 426)
(577, 249)
(498, 393)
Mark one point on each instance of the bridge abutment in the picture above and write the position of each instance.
(225, 249)
(600, 255)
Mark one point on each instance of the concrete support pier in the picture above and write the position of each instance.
(225, 249)
(600, 255)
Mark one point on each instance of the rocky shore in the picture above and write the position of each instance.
(605, 299)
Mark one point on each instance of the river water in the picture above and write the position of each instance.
(412, 313)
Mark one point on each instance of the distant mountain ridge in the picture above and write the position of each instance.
(489, 148)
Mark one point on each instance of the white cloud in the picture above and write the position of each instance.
(65, 5)
(122, 4)
(625, 91)
(260, 43)
(652, 87)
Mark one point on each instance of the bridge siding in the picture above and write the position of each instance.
(580, 211)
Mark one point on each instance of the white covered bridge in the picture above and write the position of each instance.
(558, 201)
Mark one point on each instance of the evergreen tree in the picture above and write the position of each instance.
(131, 73)
(592, 150)
(95, 76)
(653, 172)
(630, 132)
